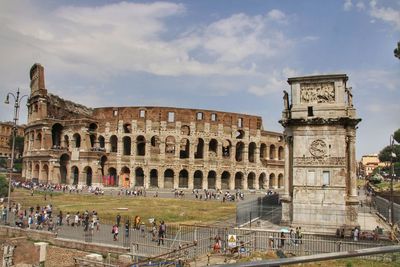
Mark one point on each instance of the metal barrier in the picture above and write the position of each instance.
(266, 208)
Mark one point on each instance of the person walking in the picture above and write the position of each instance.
(118, 220)
(161, 232)
(114, 231)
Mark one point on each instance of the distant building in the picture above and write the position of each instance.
(368, 164)
(5, 136)
(150, 147)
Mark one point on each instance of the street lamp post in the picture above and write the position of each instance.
(392, 155)
(17, 102)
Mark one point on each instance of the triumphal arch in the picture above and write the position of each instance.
(320, 168)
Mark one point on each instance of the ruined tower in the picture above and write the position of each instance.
(37, 103)
(320, 168)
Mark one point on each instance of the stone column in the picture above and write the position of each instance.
(286, 175)
(256, 181)
(245, 181)
(133, 147)
(206, 150)
(352, 165)
(245, 153)
(233, 153)
(232, 181)
(257, 155)
(218, 180)
(205, 180)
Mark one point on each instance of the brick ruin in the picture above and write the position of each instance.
(150, 147)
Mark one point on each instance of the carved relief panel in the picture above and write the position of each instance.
(317, 92)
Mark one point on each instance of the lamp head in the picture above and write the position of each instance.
(7, 99)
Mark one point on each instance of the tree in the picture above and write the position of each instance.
(396, 136)
(19, 144)
(386, 154)
(397, 51)
(3, 186)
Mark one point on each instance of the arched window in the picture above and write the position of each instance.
(225, 177)
(113, 143)
(56, 131)
(77, 140)
(272, 152)
(280, 153)
(183, 179)
(184, 149)
(213, 148)
(239, 151)
(170, 146)
(126, 140)
(199, 149)
(140, 145)
(252, 152)
(101, 141)
(226, 148)
(198, 180)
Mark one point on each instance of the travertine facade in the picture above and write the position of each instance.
(5, 136)
(320, 171)
(147, 146)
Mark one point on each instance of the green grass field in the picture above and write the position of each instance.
(167, 209)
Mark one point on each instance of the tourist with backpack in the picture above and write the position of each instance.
(162, 231)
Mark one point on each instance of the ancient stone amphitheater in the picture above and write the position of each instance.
(159, 147)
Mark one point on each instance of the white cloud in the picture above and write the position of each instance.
(273, 82)
(347, 6)
(130, 37)
(386, 14)
(360, 5)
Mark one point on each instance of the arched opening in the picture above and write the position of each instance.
(92, 140)
(92, 127)
(239, 180)
(153, 178)
(185, 130)
(75, 175)
(36, 172)
(103, 161)
(211, 179)
(140, 146)
(170, 146)
(38, 141)
(263, 151)
(261, 181)
(113, 143)
(199, 149)
(56, 131)
(139, 175)
(272, 153)
(66, 141)
(225, 177)
(125, 176)
(239, 134)
(252, 152)
(112, 177)
(89, 175)
(198, 180)
(226, 148)
(184, 149)
(126, 140)
(77, 140)
(183, 179)
(127, 128)
(280, 153)
(239, 151)
(169, 178)
(155, 145)
(102, 141)
(280, 181)
(251, 180)
(64, 161)
(213, 148)
(271, 180)
(45, 173)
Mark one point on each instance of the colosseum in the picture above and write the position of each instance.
(149, 147)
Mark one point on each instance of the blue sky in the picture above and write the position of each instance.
(225, 55)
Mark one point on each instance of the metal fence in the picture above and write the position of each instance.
(265, 208)
(382, 205)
